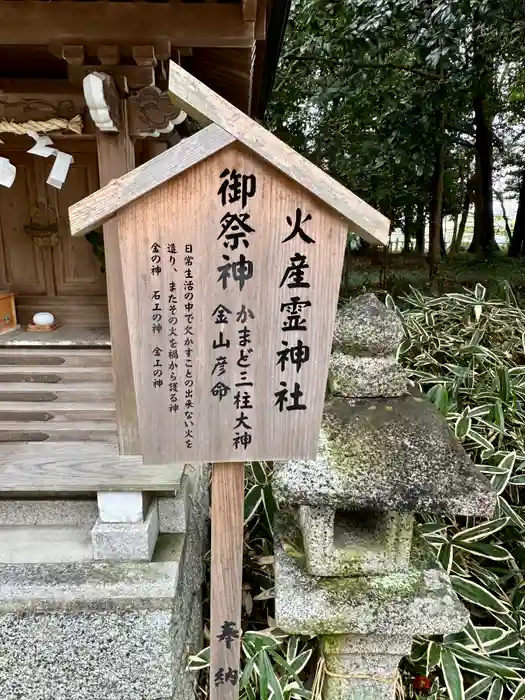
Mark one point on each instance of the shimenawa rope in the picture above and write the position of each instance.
(44, 127)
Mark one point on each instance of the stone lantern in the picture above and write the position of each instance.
(366, 583)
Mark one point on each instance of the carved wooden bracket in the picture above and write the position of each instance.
(126, 77)
(151, 113)
(102, 100)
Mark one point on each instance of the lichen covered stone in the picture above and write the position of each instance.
(418, 601)
(386, 454)
(360, 377)
(364, 326)
(358, 542)
(362, 667)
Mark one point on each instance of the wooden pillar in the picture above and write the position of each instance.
(152, 148)
(127, 527)
(116, 156)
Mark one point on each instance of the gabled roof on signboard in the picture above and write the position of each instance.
(226, 125)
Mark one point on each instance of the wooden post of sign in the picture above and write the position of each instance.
(116, 156)
(227, 523)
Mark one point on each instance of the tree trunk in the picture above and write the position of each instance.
(458, 238)
(517, 242)
(501, 201)
(475, 244)
(455, 230)
(484, 148)
(436, 204)
(442, 245)
(408, 228)
(485, 240)
(419, 229)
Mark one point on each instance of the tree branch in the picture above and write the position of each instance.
(371, 66)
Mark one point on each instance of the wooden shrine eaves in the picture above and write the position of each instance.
(103, 204)
(227, 124)
(36, 23)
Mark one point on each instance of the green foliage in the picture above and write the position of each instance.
(272, 665)
(404, 271)
(361, 85)
(465, 351)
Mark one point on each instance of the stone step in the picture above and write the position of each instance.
(71, 512)
(110, 585)
(53, 544)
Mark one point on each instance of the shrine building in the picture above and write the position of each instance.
(154, 318)
(58, 391)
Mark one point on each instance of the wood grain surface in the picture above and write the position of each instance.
(80, 466)
(91, 211)
(227, 519)
(207, 106)
(186, 213)
(183, 24)
(116, 157)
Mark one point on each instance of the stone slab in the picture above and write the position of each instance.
(122, 506)
(173, 510)
(118, 631)
(107, 630)
(51, 544)
(93, 586)
(88, 656)
(364, 326)
(360, 377)
(386, 454)
(419, 601)
(57, 511)
(133, 541)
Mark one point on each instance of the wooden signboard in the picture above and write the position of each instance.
(231, 275)
(231, 247)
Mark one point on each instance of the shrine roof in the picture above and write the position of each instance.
(232, 46)
(225, 125)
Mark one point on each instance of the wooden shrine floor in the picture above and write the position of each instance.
(63, 337)
(58, 427)
(57, 407)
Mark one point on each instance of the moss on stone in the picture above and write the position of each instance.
(386, 454)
